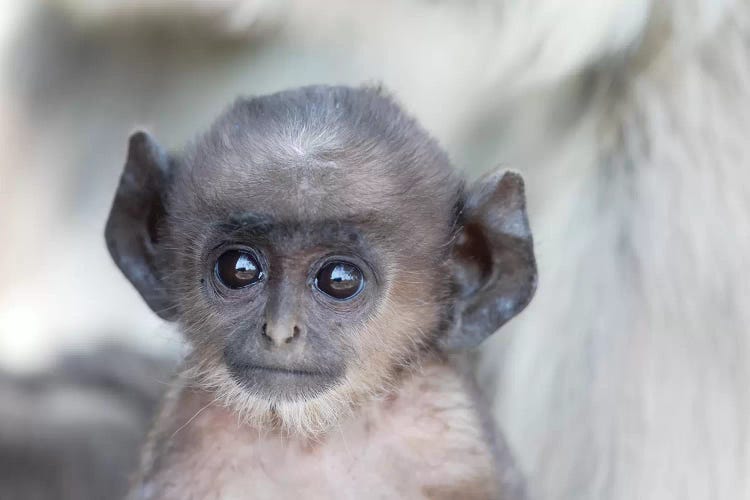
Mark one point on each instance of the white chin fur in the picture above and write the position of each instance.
(305, 417)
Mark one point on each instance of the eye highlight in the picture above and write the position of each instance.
(340, 280)
(237, 269)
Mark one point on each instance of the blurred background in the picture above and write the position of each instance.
(626, 378)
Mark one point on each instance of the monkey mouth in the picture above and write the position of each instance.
(274, 382)
(275, 369)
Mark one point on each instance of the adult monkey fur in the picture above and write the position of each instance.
(327, 265)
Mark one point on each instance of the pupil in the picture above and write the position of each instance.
(340, 280)
(237, 269)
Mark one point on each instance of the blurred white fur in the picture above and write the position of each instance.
(628, 375)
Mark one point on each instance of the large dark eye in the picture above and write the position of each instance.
(238, 269)
(340, 280)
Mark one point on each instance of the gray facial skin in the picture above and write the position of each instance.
(297, 181)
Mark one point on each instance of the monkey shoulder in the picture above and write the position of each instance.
(426, 441)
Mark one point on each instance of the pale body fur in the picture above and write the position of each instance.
(427, 440)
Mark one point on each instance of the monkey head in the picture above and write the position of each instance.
(314, 243)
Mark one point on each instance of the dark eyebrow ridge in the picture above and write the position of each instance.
(263, 223)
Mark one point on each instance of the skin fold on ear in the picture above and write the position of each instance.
(496, 272)
(137, 210)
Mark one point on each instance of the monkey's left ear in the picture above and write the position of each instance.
(494, 252)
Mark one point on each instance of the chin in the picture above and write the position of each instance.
(281, 385)
(308, 410)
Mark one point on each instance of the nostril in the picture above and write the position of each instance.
(295, 334)
(263, 330)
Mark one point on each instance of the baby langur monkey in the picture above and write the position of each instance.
(330, 271)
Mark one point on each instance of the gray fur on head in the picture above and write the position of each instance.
(292, 179)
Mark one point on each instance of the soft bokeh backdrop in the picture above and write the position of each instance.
(79, 76)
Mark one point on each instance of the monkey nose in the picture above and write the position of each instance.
(280, 334)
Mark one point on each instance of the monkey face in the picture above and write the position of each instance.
(313, 245)
(294, 305)
(289, 302)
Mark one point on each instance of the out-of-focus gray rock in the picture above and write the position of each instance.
(75, 431)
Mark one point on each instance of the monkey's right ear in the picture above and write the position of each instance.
(137, 211)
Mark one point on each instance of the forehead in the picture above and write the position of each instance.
(311, 203)
(306, 189)
(315, 155)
